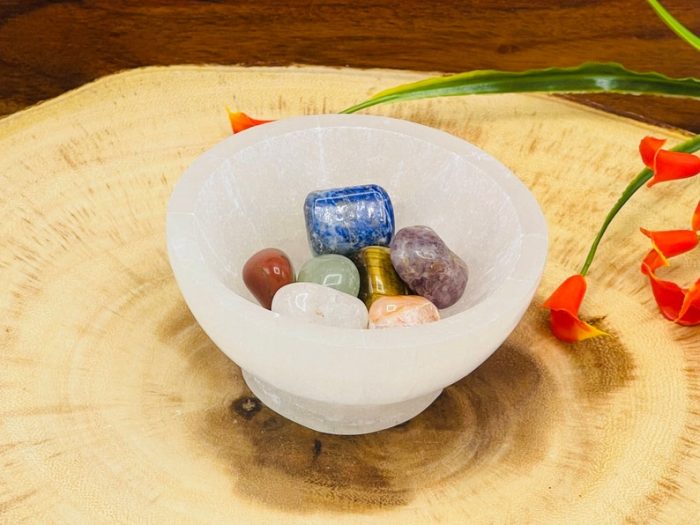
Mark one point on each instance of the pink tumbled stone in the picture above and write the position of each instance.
(402, 310)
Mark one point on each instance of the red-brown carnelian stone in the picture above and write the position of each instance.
(266, 272)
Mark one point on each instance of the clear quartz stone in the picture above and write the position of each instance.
(315, 303)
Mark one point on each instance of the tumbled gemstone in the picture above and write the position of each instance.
(315, 303)
(335, 271)
(377, 275)
(344, 220)
(266, 272)
(402, 310)
(428, 266)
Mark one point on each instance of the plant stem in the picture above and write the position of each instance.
(688, 146)
(678, 28)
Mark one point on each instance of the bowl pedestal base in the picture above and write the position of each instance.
(334, 418)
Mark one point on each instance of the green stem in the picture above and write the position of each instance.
(678, 28)
(689, 146)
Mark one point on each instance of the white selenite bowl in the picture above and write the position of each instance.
(247, 193)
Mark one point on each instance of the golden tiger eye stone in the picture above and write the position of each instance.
(377, 275)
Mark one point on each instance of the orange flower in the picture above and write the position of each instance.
(563, 305)
(671, 243)
(690, 309)
(241, 121)
(669, 296)
(667, 165)
(648, 148)
(677, 304)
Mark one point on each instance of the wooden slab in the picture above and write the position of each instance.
(116, 407)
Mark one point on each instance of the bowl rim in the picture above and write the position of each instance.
(516, 290)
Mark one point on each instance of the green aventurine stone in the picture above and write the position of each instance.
(334, 271)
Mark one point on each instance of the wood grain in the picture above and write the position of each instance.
(115, 407)
(48, 47)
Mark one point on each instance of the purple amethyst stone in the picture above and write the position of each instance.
(428, 266)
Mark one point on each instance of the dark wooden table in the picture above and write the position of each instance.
(48, 47)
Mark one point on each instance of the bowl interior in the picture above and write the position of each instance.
(254, 198)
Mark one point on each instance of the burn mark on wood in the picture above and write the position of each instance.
(279, 463)
(246, 406)
(604, 364)
(317, 448)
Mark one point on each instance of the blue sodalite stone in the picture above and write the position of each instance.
(344, 220)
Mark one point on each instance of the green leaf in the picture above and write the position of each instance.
(591, 77)
(678, 28)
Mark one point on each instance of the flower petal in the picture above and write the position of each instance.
(672, 242)
(568, 296)
(653, 261)
(569, 328)
(648, 148)
(564, 304)
(695, 223)
(689, 313)
(669, 296)
(240, 121)
(674, 165)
